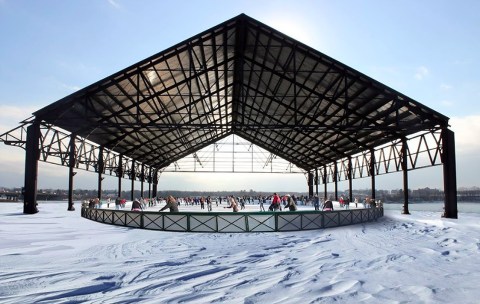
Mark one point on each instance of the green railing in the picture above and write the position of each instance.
(234, 221)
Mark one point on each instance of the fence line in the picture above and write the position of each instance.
(232, 222)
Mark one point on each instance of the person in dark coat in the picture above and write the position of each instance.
(316, 203)
(328, 205)
(136, 206)
(91, 203)
(291, 205)
(118, 202)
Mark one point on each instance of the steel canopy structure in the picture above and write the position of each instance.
(246, 79)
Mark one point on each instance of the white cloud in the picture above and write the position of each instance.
(300, 30)
(421, 73)
(114, 3)
(232, 181)
(447, 103)
(71, 87)
(466, 133)
(12, 160)
(10, 116)
(445, 87)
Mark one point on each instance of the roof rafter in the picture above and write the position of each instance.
(242, 78)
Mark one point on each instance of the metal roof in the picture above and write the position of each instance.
(245, 78)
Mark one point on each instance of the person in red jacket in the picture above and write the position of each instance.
(276, 203)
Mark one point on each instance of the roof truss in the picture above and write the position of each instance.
(240, 78)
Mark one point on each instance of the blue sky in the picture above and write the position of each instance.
(428, 50)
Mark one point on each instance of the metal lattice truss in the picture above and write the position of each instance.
(55, 149)
(233, 154)
(243, 79)
(422, 150)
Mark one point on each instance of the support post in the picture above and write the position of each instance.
(71, 174)
(325, 179)
(142, 177)
(120, 174)
(150, 182)
(155, 182)
(449, 173)
(372, 172)
(335, 179)
(310, 184)
(349, 173)
(405, 175)
(100, 168)
(317, 181)
(32, 154)
(132, 176)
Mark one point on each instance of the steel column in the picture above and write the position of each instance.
(405, 176)
(349, 173)
(120, 174)
(100, 168)
(32, 154)
(449, 173)
(155, 182)
(141, 180)
(71, 174)
(325, 189)
(335, 179)
(150, 182)
(372, 172)
(132, 176)
(317, 181)
(310, 184)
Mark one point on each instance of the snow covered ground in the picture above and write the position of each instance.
(56, 256)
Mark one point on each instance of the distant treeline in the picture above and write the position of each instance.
(424, 194)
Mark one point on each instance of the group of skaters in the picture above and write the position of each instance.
(97, 203)
(344, 202)
(286, 202)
